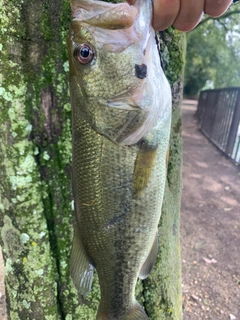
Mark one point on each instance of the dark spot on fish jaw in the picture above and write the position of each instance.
(140, 71)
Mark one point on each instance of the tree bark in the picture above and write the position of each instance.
(35, 164)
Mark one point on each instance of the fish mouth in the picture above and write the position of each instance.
(130, 99)
(124, 104)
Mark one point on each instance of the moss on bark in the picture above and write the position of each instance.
(35, 163)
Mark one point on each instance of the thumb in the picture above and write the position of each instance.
(131, 2)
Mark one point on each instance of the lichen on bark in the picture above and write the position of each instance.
(35, 121)
(35, 165)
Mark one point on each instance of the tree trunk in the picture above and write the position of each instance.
(35, 160)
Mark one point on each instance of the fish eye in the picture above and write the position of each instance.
(84, 53)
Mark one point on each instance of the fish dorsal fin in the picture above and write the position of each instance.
(149, 262)
(81, 269)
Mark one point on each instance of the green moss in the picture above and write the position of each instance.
(65, 17)
(45, 22)
(173, 51)
(11, 239)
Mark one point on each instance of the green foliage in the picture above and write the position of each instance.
(213, 56)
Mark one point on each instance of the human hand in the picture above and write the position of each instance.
(184, 15)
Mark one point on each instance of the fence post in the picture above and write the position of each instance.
(234, 127)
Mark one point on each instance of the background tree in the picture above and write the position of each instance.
(213, 56)
(35, 163)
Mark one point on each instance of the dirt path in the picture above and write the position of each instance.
(210, 229)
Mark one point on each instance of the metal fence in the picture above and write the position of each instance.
(218, 115)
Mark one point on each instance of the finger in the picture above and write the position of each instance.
(189, 15)
(164, 13)
(215, 8)
(131, 2)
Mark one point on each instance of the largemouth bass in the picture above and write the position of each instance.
(121, 115)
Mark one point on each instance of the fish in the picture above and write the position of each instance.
(121, 118)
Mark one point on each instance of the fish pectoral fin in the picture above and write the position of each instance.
(149, 262)
(143, 167)
(81, 269)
